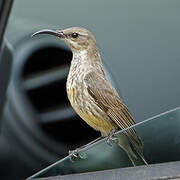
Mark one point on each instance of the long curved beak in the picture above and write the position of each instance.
(59, 34)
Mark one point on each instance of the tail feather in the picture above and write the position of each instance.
(138, 160)
(143, 159)
(136, 157)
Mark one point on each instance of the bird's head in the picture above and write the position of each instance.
(77, 38)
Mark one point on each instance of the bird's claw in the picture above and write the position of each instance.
(111, 137)
(76, 154)
(108, 141)
(73, 154)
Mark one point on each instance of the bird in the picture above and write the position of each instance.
(92, 96)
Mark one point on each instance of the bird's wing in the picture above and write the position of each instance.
(106, 98)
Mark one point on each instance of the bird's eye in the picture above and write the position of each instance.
(74, 35)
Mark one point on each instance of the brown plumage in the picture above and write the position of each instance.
(92, 96)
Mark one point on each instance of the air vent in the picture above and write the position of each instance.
(50, 96)
(44, 81)
(46, 59)
(45, 78)
(73, 132)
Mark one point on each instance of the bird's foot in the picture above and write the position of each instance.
(111, 137)
(74, 154)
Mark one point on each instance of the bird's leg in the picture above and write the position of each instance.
(74, 153)
(111, 137)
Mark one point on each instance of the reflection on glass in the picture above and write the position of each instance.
(161, 138)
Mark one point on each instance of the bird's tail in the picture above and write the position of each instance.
(136, 157)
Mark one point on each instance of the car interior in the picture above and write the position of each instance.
(139, 45)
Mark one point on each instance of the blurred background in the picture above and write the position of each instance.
(139, 44)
